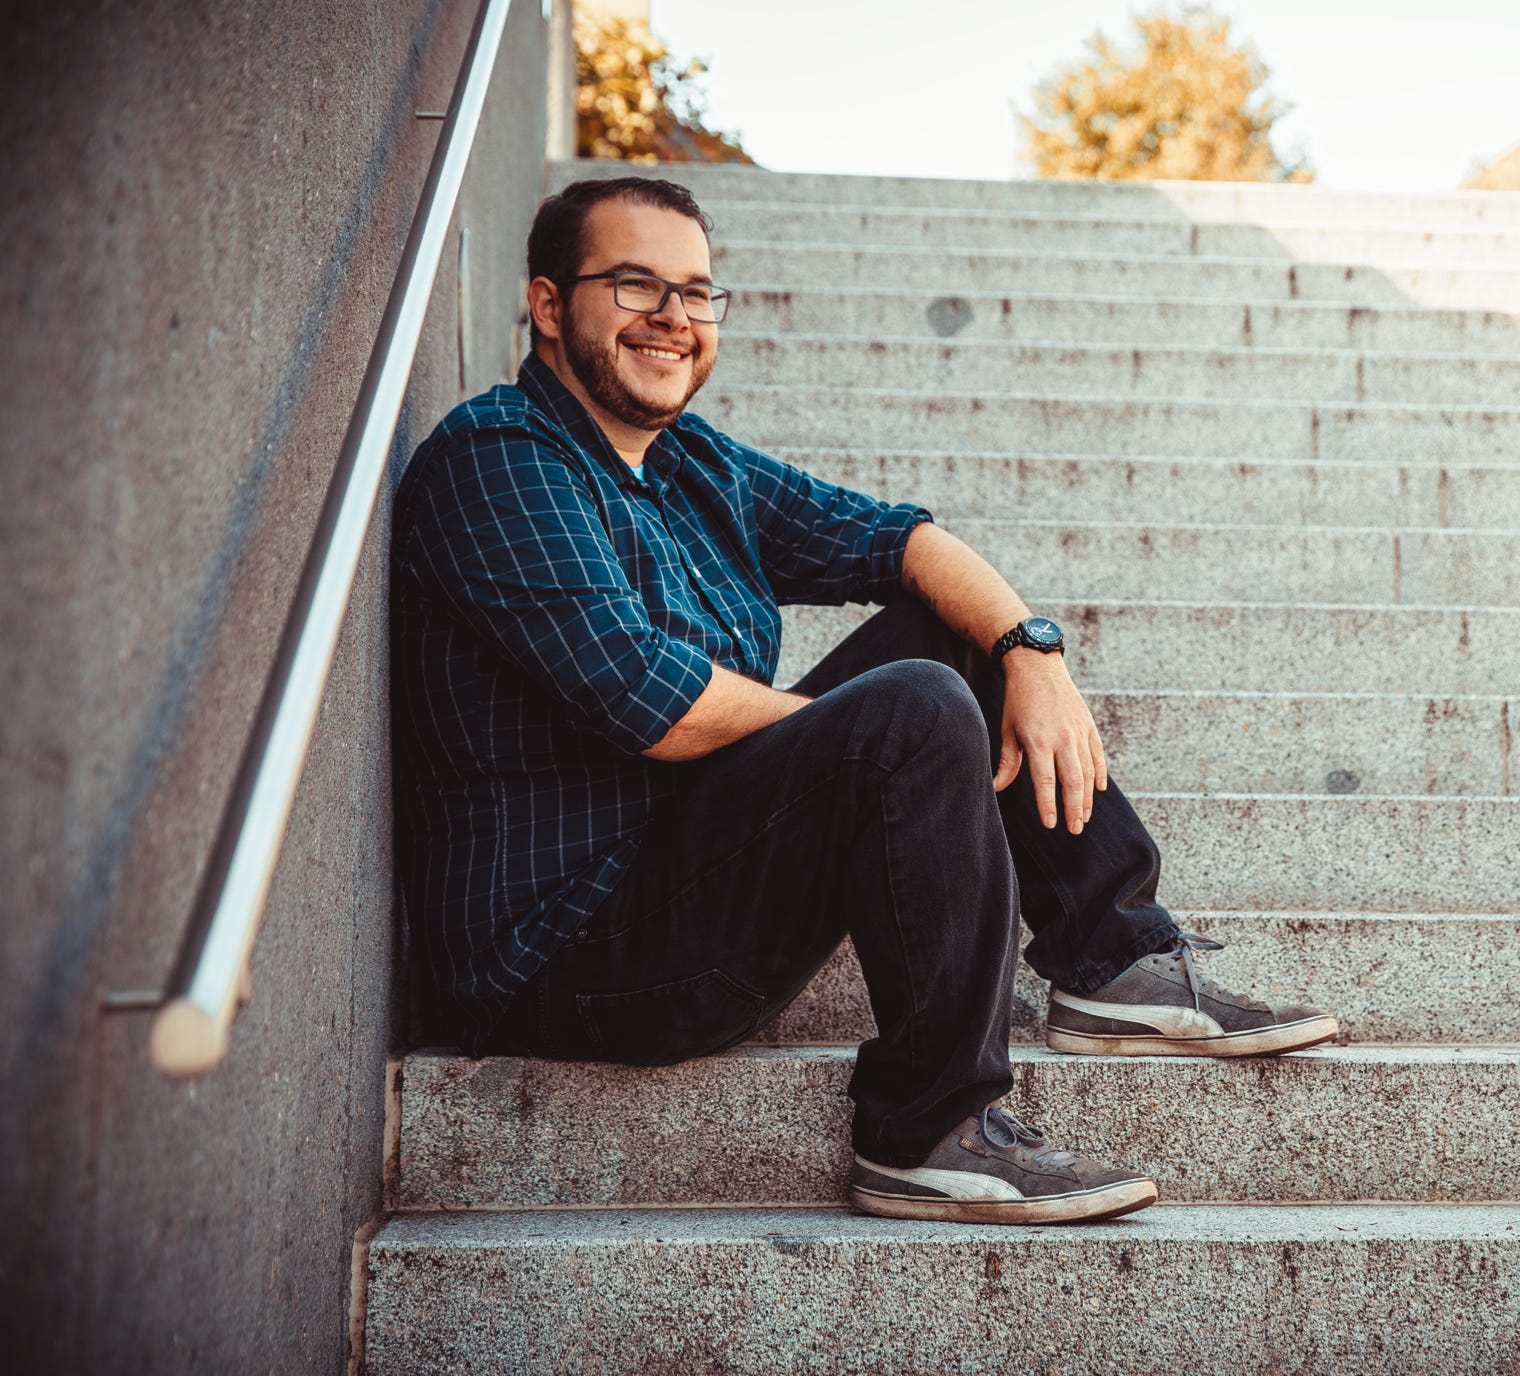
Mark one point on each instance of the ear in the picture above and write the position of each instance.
(545, 306)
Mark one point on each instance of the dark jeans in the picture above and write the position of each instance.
(870, 812)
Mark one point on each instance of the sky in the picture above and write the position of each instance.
(1402, 95)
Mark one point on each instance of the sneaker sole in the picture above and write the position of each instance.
(1107, 1201)
(1259, 1041)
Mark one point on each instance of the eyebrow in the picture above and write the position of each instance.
(696, 278)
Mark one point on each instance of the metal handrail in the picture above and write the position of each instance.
(192, 1029)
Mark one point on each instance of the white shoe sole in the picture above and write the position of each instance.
(1105, 1201)
(1261, 1041)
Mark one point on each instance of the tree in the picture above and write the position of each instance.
(635, 101)
(1188, 105)
(1503, 174)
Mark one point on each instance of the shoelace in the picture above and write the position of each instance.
(1187, 943)
(1017, 1131)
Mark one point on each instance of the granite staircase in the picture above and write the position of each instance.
(1258, 449)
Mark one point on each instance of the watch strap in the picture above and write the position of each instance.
(1018, 637)
(1009, 640)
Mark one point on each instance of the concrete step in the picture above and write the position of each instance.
(1053, 560)
(1307, 743)
(738, 264)
(1389, 977)
(1084, 487)
(1381, 853)
(1053, 369)
(1361, 1290)
(1204, 202)
(1250, 648)
(764, 312)
(859, 417)
(771, 1125)
(953, 230)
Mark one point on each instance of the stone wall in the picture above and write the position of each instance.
(203, 212)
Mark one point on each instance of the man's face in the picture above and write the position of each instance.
(641, 369)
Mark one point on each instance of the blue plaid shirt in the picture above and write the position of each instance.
(552, 617)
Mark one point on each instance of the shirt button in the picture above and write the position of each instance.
(581, 935)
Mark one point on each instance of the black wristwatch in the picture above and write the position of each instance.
(1037, 633)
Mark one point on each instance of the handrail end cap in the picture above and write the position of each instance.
(186, 1040)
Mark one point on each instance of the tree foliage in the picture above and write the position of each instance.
(1186, 104)
(1503, 174)
(635, 101)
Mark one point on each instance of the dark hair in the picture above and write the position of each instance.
(557, 241)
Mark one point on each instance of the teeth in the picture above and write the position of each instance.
(659, 353)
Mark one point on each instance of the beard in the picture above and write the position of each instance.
(595, 364)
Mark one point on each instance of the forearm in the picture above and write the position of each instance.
(730, 708)
(960, 587)
(1044, 717)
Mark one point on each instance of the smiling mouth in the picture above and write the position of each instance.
(649, 351)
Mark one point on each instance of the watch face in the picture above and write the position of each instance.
(1042, 630)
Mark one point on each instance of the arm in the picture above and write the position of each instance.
(822, 544)
(730, 708)
(817, 543)
(1044, 716)
(513, 541)
(507, 533)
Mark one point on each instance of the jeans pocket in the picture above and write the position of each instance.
(670, 1022)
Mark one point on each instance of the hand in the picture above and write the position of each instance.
(1046, 719)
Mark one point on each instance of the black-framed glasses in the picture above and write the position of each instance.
(704, 303)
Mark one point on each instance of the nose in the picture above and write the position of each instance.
(672, 312)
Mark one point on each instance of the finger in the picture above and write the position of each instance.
(1042, 774)
(1100, 761)
(1069, 762)
(1008, 765)
(1084, 755)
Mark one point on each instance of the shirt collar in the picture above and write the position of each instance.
(538, 382)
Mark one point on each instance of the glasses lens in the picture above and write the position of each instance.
(703, 303)
(635, 293)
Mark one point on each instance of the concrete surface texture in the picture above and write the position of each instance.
(1396, 1123)
(1259, 372)
(1089, 488)
(979, 314)
(1266, 282)
(204, 210)
(1255, 448)
(1252, 646)
(1391, 977)
(1371, 1291)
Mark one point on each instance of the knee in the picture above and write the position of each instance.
(921, 705)
(929, 683)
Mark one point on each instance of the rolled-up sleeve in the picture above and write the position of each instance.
(821, 543)
(508, 533)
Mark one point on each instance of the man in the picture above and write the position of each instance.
(619, 842)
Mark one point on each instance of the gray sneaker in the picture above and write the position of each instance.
(1161, 1006)
(995, 1169)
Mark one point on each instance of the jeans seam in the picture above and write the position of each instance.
(886, 841)
(886, 835)
(1058, 886)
